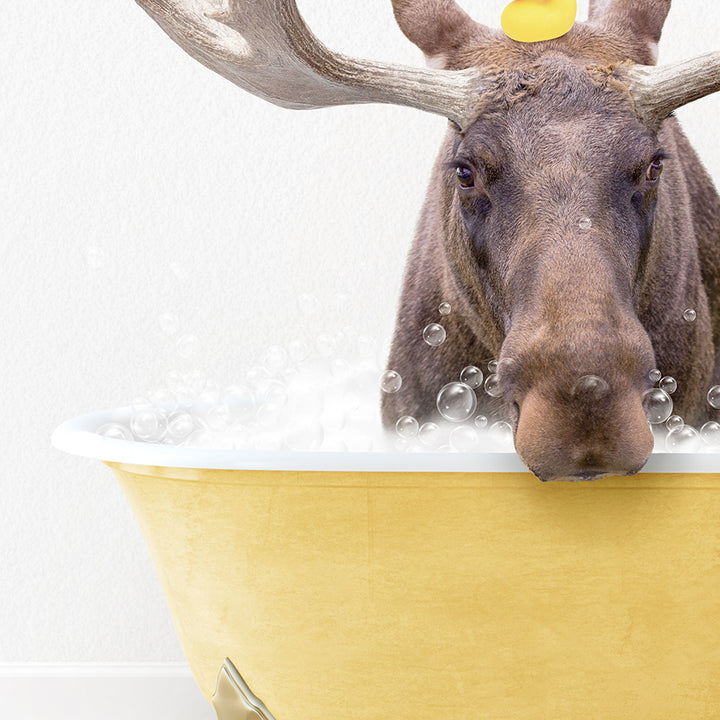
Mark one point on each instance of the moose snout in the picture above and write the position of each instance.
(585, 436)
(577, 398)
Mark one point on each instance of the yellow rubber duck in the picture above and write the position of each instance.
(537, 20)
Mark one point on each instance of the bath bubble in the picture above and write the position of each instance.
(147, 425)
(434, 334)
(268, 416)
(501, 435)
(390, 381)
(407, 427)
(590, 387)
(308, 304)
(430, 435)
(456, 402)
(401, 444)
(239, 400)
(713, 397)
(655, 376)
(197, 380)
(325, 345)
(139, 403)
(585, 223)
(276, 394)
(689, 315)
(164, 398)
(304, 434)
(658, 406)
(685, 439)
(492, 386)
(115, 431)
(258, 379)
(210, 394)
(169, 323)
(179, 426)
(472, 376)
(445, 308)
(188, 345)
(275, 358)
(668, 384)
(218, 417)
(481, 422)
(674, 421)
(710, 433)
(492, 366)
(464, 438)
(298, 350)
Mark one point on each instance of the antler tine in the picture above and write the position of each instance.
(265, 47)
(659, 90)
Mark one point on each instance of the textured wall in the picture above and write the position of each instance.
(136, 183)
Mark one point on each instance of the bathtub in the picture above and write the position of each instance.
(308, 586)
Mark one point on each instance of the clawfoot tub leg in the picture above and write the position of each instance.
(233, 699)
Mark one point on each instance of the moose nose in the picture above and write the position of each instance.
(592, 434)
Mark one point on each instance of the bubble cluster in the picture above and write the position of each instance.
(323, 395)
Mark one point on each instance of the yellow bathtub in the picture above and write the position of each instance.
(425, 586)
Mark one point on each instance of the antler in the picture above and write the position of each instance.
(265, 47)
(659, 90)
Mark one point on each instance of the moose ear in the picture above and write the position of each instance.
(437, 27)
(642, 20)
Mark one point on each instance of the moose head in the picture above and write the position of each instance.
(568, 223)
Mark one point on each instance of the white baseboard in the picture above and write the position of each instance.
(94, 691)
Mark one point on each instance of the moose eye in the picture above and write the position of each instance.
(465, 177)
(654, 171)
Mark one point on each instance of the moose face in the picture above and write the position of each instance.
(556, 197)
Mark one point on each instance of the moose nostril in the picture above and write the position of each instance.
(590, 387)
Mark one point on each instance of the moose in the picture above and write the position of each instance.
(569, 223)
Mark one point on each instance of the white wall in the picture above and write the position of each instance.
(135, 183)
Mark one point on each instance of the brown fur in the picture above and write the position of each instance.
(560, 141)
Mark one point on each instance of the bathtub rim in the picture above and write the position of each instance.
(78, 437)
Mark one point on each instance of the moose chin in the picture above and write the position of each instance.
(569, 223)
